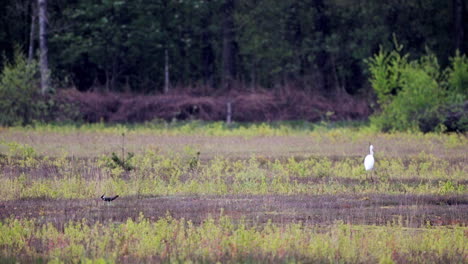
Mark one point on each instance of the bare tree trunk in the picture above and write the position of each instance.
(108, 80)
(228, 113)
(207, 51)
(253, 76)
(32, 32)
(229, 63)
(339, 86)
(44, 65)
(115, 73)
(458, 9)
(322, 58)
(166, 72)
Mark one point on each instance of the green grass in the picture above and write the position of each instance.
(269, 160)
(240, 141)
(199, 127)
(183, 174)
(345, 130)
(178, 240)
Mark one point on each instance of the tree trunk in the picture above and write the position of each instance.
(253, 78)
(229, 45)
(115, 73)
(207, 52)
(166, 72)
(323, 58)
(229, 112)
(44, 65)
(338, 85)
(459, 31)
(293, 36)
(32, 32)
(108, 81)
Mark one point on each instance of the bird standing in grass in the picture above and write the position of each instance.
(109, 198)
(194, 161)
(369, 160)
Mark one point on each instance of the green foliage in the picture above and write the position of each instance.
(123, 40)
(115, 163)
(19, 91)
(155, 173)
(22, 151)
(124, 162)
(386, 68)
(415, 95)
(449, 187)
(319, 44)
(21, 155)
(194, 161)
(343, 132)
(227, 240)
(173, 167)
(220, 238)
(458, 78)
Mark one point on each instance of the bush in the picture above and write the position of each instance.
(418, 95)
(18, 90)
(450, 117)
(458, 78)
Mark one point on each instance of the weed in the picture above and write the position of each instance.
(169, 239)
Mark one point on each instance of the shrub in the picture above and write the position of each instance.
(115, 164)
(456, 112)
(385, 68)
(449, 117)
(418, 95)
(18, 89)
(458, 78)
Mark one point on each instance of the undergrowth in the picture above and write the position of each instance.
(28, 172)
(27, 175)
(332, 131)
(224, 240)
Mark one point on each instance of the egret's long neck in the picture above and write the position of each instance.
(371, 151)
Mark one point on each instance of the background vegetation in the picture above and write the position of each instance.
(418, 94)
(314, 60)
(321, 45)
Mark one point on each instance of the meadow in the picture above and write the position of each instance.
(207, 192)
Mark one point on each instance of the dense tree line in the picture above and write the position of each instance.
(148, 45)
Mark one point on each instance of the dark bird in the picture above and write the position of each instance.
(194, 161)
(108, 199)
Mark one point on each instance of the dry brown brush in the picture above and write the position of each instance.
(284, 104)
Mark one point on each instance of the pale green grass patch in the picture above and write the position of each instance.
(170, 239)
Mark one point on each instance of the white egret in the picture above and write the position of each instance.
(369, 160)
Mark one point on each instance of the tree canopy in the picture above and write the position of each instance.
(316, 45)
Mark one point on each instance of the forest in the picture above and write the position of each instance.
(299, 53)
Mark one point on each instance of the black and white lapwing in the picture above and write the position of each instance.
(108, 198)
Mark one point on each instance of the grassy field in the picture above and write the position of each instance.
(204, 192)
